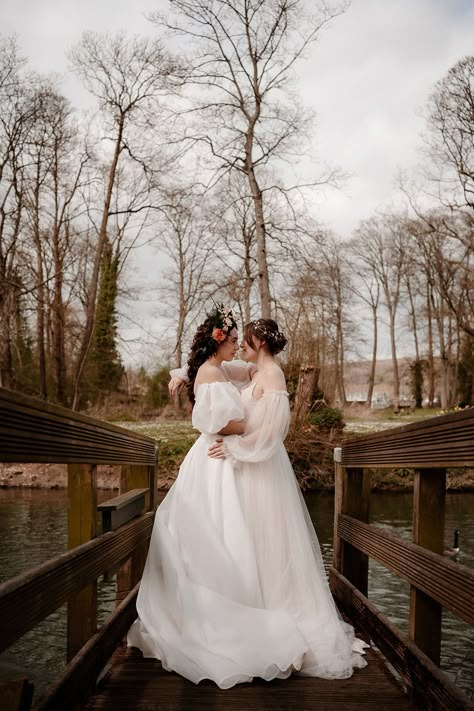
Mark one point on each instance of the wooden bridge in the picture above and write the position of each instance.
(34, 431)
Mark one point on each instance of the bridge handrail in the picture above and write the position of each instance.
(441, 441)
(35, 431)
(30, 597)
(32, 430)
(428, 447)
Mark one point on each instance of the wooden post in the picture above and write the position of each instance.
(429, 495)
(352, 490)
(134, 477)
(339, 477)
(82, 505)
(153, 481)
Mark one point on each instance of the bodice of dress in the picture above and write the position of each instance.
(248, 400)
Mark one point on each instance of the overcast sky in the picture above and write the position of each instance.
(368, 78)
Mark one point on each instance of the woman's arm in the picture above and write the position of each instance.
(260, 444)
(233, 427)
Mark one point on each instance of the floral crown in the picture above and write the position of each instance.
(223, 321)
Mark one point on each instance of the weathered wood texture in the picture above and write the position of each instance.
(137, 684)
(352, 498)
(79, 678)
(429, 495)
(121, 509)
(133, 477)
(16, 695)
(449, 583)
(444, 441)
(30, 597)
(82, 506)
(429, 687)
(32, 430)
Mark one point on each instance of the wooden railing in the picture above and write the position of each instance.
(427, 447)
(34, 431)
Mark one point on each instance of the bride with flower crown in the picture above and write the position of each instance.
(234, 585)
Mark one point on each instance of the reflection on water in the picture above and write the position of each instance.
(33, 528)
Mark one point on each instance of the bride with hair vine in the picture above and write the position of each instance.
(234, 585)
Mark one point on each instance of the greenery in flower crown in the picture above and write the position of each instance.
(223, 321)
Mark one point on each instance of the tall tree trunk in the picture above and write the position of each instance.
(58, 347)
(431, 370)
(248, 274)
(263, 278)
(40, 290)
(340, 357)
(393, 346)
(413, 320)
(6, 361)
(373, 364)
(94, 285)
(444, 367)
(181, 309)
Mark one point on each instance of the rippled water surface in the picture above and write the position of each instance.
(33, 528)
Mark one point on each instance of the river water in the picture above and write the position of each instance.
(33, 528)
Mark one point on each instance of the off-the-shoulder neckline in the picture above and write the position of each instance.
(216, 382)
(269, 392)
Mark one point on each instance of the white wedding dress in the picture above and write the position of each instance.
(234, 585)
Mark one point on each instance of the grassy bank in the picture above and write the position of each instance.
(177, 436)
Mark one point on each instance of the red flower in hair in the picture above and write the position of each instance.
(218, 335)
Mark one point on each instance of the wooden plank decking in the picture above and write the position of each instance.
(136, 684)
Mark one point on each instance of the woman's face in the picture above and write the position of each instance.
(230, 346)
(250, 353)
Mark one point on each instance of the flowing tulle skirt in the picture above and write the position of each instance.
(234, 585)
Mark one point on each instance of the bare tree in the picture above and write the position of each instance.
(186, 238)
(450, 135)
(445, 254)
(16, 121)
(245, 54)
(385, 254)
(367, 288)
(128, 77)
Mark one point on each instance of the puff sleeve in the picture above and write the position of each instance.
(265, 432)
(216, 404)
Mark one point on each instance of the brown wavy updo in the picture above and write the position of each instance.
(265, 329)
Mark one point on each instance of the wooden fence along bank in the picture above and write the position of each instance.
(34, 431)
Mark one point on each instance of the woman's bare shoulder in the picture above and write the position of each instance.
(209, 373)
(274, 378)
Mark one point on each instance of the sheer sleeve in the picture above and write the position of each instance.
(237, 371)
(266, 430)
(216, 404)
(180, 373)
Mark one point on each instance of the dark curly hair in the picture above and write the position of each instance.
(202, 348)
(215, 330)
(265, 329)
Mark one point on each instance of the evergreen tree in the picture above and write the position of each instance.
(466, 372)
(106, 368)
